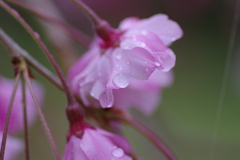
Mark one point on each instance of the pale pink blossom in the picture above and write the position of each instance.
(13, 148)
(144, 95)
(97, 144)
(132, 52)
(16, 120)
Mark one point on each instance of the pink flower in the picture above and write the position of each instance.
(16, 121)
(13, 148)
(97, 144)
(143, 94)
(133, 51)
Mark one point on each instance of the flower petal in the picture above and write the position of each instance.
(167, 30)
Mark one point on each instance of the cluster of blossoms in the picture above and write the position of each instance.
(130, 67)
(123, 68)
(127, 67)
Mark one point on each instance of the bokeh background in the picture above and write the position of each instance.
(186, 116)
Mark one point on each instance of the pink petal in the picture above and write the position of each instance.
(167, 30)
(73, 150)
(127, 23)
(141, 63)
(16, 120)
(144, 95)
(13, 148)
(96, 145)
(164, 57)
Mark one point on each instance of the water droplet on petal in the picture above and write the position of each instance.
(117, 65)
(120, 68)
(142, 44)
(118, 152)
(147, 69)
(118, 54)
(121, 80)
(157, 64)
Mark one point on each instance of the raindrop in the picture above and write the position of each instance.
(157, 64)
(118, 152)
(142, 44)
(118, 55)
(121, 80)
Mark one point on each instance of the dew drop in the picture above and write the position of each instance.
(142, 44)
(121, 80)
(118, 152)
(120, 68)
(147, 69)
(117, 65)
(118, 55)
(157, 64)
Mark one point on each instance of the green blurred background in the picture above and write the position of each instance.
(186, 116)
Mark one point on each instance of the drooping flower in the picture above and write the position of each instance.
(13, 148)
(97, 144)
(132, 52)
(16, 120)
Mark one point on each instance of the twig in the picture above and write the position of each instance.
(147, 133)
(6, 125)
(42, 117)
(94, 17)
(26, 134)
(36, 37)
(15, 50)
(79, 36)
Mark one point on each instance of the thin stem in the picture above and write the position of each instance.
(79, 36)
(42, 117)
(15, 50)
(153, 138)
(36, 37)
(26, 134)
(225, 77)
(94, 17)
(7, 121)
